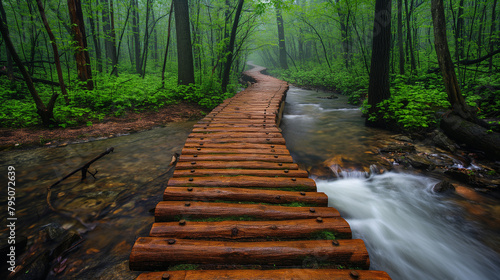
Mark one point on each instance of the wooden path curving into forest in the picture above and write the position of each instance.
(238, 207)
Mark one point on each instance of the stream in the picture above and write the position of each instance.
(410, 231)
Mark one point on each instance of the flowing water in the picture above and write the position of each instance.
(410, 232)
(115, 206)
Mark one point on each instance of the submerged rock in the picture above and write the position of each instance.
(443, 186)
(398, 148)
(420, 162)
(442, 141)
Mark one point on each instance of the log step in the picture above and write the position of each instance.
(280, 141)
(236, 165)
(151, 253)
(234, 146)
(283, 274)
(241, 194)
(234, 129)
(252, 230)
(228, 150)
(243, 181)
(176, 210)
(237, 157)
(234, 172)
(220, 135)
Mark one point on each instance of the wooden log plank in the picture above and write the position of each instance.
(235, 172)
(235, 129)
(214, 120)
(253, 230)
(234, 146)
(279, 141)
(284, 274)
(243, 182)
(237, 157)
(229, 150)
(158, 253)
(239, 194)
(235, 134)
(233, 125)
(236, 165)
(175, 210)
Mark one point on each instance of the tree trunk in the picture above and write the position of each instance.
(136, 35)
(459, 50)
(492, 32)
(378, 89)
(409, 36)
(10, 73)
(400, 38)
(230, 48)
(455, 96)
(166, 47)
(54, 49)
(146, 40)
(95, 38)
(185, 66)
(109, 31)
(281, 39)
(45, 113)
(81, 53)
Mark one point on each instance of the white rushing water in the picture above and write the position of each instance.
(411, 232)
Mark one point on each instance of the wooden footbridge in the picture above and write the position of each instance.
(238, 207)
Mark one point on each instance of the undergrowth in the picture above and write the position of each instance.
(112, 96)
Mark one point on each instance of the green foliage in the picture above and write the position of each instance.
(413, 103)
(113, 96)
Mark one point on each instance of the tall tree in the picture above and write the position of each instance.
(493, 36)
(185, 66)
(57, 62)
(455, 96)
(46, 113)
(400, 38)
(3, 14)
(80, 41)
(281, 39)
(108, 19)
(230, 48)
(136, 36)
(378, 88)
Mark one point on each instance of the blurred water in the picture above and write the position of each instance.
(410, 232)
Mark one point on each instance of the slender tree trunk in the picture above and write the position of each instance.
(94, 30)
(184, 49)
(81, 52)
(54, 49)
(400, 38)
(110, 36)
(146, 40)
(492, 32)
(230, 49)
(136, 35)
(166, 47)
(409, 36)
(281, 39)
(459, 52)
(45, 112)
(455, 96)
(378, 89)
(10, 73)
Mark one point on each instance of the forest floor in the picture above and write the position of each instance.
(109, 127)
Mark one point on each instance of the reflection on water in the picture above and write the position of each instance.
(130, 182)
(409, 231)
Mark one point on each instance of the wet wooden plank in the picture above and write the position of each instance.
(234, 146)
(235, 129)
(175, 210)
(227, 150)
(236, 165)
(288, 274)
(244, 181)
(235, 134)
(241, 195)
(279, 141)
(235, 172)
(237, 157)
(158, 252)
(245, 230)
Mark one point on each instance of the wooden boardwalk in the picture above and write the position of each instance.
(240, 208)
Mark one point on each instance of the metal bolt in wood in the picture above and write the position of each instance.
(354, 274)
(335, 243)
(182, 222)
(312, 210)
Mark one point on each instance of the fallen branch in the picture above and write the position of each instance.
(84, 170)
(468, 61)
